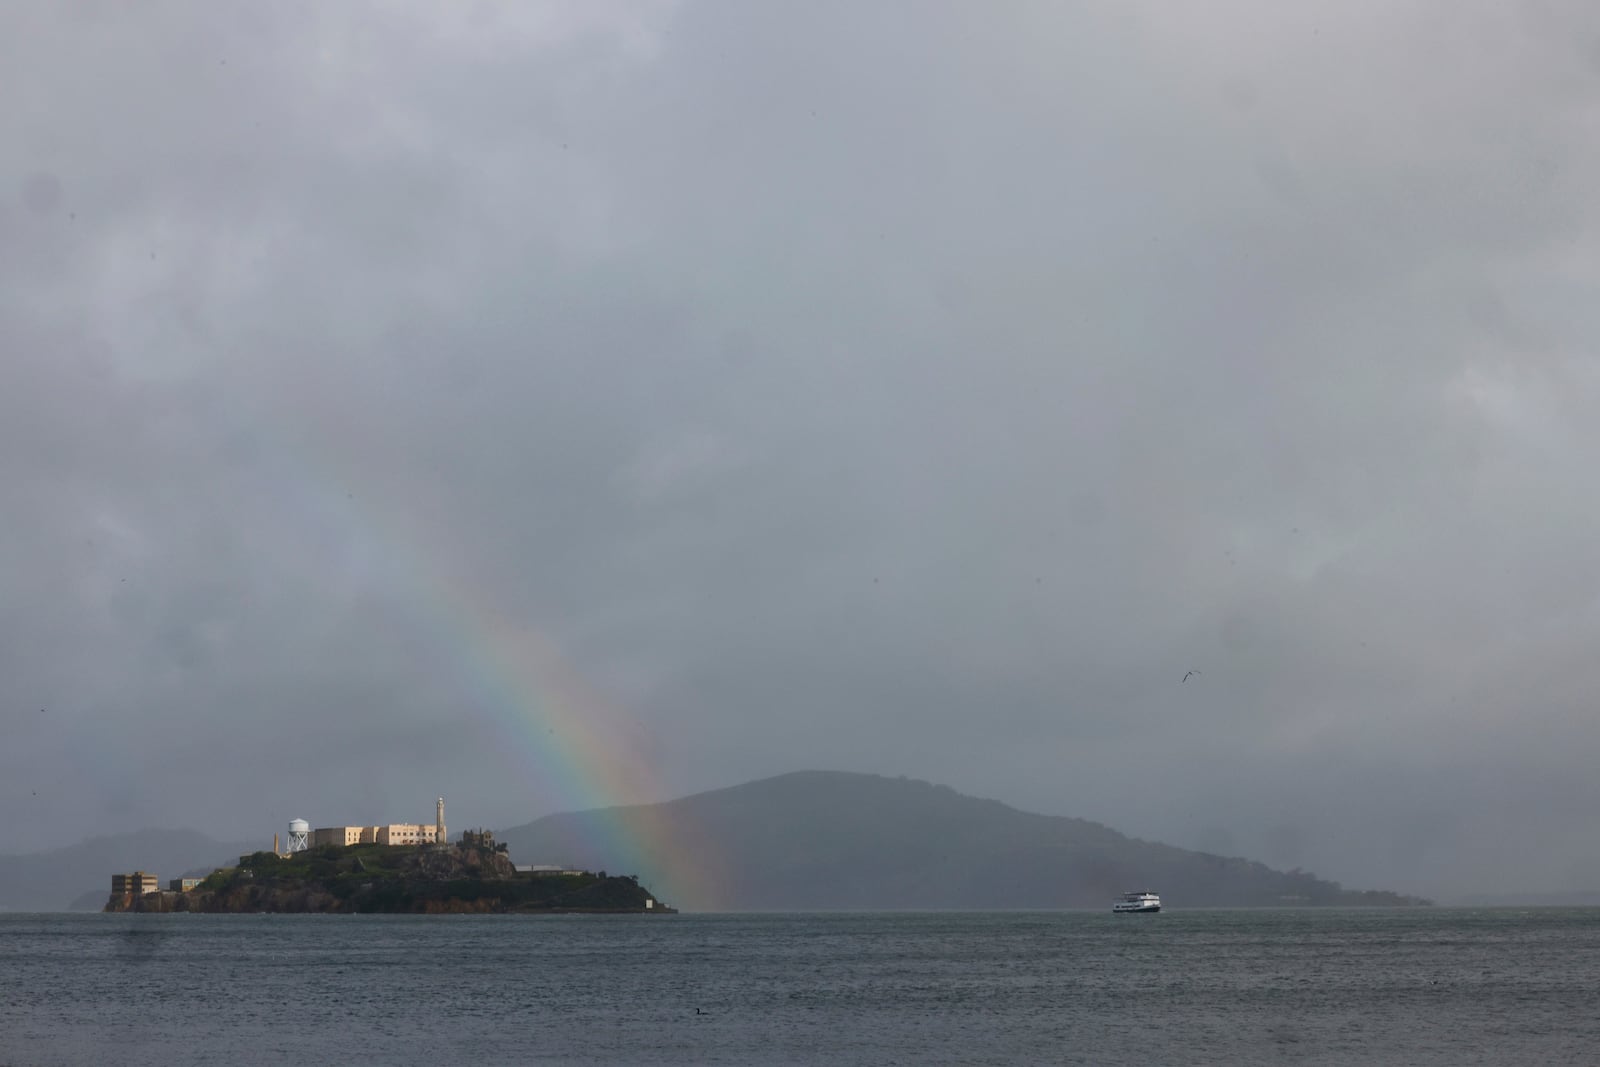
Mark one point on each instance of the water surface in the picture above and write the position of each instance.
(1422, 986)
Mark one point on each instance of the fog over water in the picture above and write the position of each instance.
(558, 404)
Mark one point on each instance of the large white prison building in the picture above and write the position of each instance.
(395, 833)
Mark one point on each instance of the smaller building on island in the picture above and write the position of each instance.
(136, 884)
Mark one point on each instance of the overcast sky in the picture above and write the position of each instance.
(555, 404)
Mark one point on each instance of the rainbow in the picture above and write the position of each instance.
(588, 752)
(581, 750)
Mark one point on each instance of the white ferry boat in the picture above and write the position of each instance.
(1132, 902)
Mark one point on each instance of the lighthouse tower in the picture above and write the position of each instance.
(438, 826)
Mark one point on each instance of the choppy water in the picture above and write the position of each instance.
(1237, 987)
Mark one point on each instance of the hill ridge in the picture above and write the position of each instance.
(822, 839)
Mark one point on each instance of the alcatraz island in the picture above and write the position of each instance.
(397, 868)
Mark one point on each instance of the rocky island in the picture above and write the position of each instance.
(472, 876)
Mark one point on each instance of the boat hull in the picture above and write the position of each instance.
(1137, 903)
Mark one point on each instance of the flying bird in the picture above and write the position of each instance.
(1186, 676)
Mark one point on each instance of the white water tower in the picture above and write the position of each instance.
(299, 836)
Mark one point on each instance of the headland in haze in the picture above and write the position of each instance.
(837, 840)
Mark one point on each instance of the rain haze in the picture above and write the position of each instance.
(558, 405)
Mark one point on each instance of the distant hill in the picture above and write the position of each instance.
(831, 840)
(79, 877)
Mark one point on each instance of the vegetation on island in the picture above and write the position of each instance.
(473, 876)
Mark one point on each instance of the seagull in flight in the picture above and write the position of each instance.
(1186, 676)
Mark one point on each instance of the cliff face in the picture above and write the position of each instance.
(394, 879)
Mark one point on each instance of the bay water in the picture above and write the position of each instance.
(1307, 986)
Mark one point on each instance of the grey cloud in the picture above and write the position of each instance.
(832, 387)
